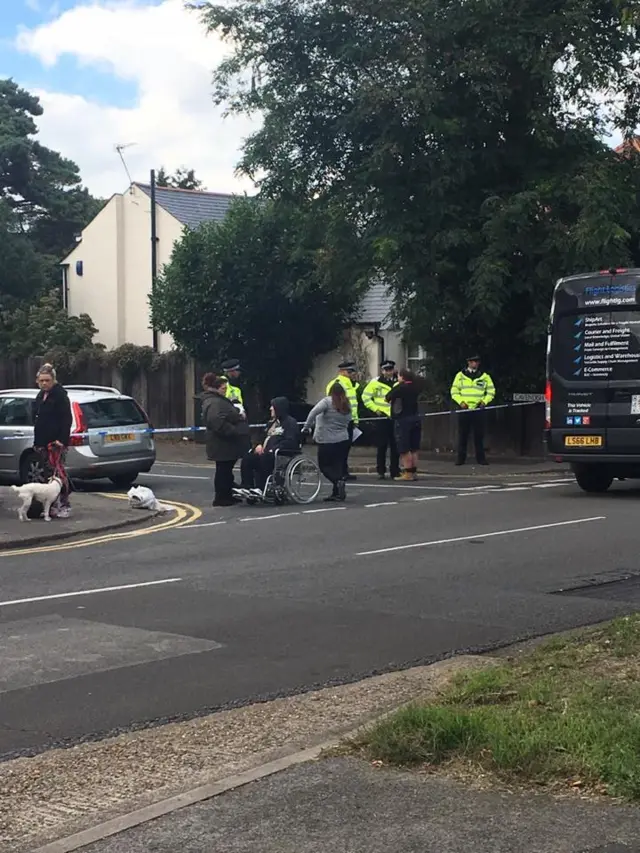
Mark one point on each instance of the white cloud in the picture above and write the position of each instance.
(164, 51)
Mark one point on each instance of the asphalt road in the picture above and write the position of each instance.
(251, 603)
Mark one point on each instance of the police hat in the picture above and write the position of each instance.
(231, 364)
(473, 358)
(347, 365)
(387, 365)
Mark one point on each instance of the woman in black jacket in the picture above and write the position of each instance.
(283, 434)
(228, 436)
(51, 430)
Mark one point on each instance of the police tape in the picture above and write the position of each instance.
(124, 431)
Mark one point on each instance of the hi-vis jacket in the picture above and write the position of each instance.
(474, 389)
(374, 396)
(234, 394)
(350, 389)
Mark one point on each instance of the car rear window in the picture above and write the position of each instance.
(108, 413)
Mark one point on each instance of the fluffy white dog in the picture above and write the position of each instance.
(46, 493)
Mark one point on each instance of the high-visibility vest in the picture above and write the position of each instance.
(374, 396)
(233, 393)
(473, 390)
(350, 391)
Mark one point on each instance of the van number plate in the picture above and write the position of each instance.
(583, 441)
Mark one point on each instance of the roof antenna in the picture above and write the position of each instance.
(120, 147)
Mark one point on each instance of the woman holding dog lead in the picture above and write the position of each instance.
(52, 428)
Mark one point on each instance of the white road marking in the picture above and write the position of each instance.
(323, 509)
(432, 498)
(481, 536)
(480, 488)
(176, 477)
(359, 485)
(206, 524)
(516, 489)
(87, 592)
(470, 494)
(267, 517)
(548, 485)
(385, 503)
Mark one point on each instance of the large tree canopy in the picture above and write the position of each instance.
(465, 137)
(43, 205)
(269, 284)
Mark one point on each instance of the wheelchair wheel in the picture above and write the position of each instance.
(302, 480)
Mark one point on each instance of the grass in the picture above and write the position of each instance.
(566, 713)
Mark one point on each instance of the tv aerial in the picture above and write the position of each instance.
(120, 147)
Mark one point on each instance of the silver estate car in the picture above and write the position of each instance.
(120, 455)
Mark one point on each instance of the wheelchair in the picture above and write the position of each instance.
(295, 479)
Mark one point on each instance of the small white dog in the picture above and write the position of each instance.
(46, 493)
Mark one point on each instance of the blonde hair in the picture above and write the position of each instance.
(47, 369)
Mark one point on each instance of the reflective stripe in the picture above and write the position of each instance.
(350, 391)
(374, 397)
(473, 390)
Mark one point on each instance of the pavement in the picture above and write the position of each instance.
(236, 607)
(91, 514)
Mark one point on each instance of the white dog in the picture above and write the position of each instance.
(46, 493)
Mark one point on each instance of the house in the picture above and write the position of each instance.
(108, 276)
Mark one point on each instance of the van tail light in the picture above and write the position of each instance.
(547, 406)
(76, 439)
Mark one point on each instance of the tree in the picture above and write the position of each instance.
(43, 205)
(40, 327)
(182, 179)
(465, 138)
(267, 285)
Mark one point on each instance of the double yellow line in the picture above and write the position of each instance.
(184, 514)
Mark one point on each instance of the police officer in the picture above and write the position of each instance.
(231, 371)
(347, 371)
(471, 391)
(374, 399)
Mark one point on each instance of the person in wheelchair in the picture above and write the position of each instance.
(283, 435)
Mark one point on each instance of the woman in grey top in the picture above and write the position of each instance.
(331, 418)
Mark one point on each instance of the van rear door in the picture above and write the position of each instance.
(623, 414)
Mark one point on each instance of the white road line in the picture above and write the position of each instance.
(481, 536)
(323, 509)
(87, 592)
(176, 477)
(385, 503)
(480, 488)
(470, 494)
(359, 485)
(548, 485)
(516, 489)
(268, 517)
(206, 524)
(432, 498)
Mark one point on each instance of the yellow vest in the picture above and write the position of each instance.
(350, 391)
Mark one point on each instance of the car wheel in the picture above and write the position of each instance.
(593, 479)
(124, 481)
(32, 469)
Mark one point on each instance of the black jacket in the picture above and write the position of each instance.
(283, 432)
(52, 417)
(228, 436)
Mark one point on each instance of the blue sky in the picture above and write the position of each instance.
(123, 71)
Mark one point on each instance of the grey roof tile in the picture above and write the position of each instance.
(191, 207)
(376, 306)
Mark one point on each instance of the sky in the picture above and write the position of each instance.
(112, 72)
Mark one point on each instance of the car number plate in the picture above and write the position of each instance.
(583, 441)
(119, 436)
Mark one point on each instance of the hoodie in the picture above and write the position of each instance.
(283, 432)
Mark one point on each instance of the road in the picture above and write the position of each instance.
(252, 603)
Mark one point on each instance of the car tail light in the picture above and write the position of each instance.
(547, 406)
(76, 439)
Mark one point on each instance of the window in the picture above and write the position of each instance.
(15, 411)
(416, 358)
(107, 413)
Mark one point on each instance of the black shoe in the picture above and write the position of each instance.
(484, 462)
(225, 502)
(350, 478)
(459, 462)
(330, 499)
(382, 476)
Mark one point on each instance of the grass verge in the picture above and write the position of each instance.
(566, 713)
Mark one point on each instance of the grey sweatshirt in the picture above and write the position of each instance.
(331, 426)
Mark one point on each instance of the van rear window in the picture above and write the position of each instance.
(108, 413)
(597, 345)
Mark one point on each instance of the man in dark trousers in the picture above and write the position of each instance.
(471, 391)
(374, 398)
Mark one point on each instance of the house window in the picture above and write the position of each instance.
(416, 358)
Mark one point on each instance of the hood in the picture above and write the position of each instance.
(280, 407)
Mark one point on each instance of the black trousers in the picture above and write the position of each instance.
(471, 421)
(223, 480)
(386, 439)
(332, 461)
(255, 468)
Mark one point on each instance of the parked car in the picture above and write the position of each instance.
(120, 454)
